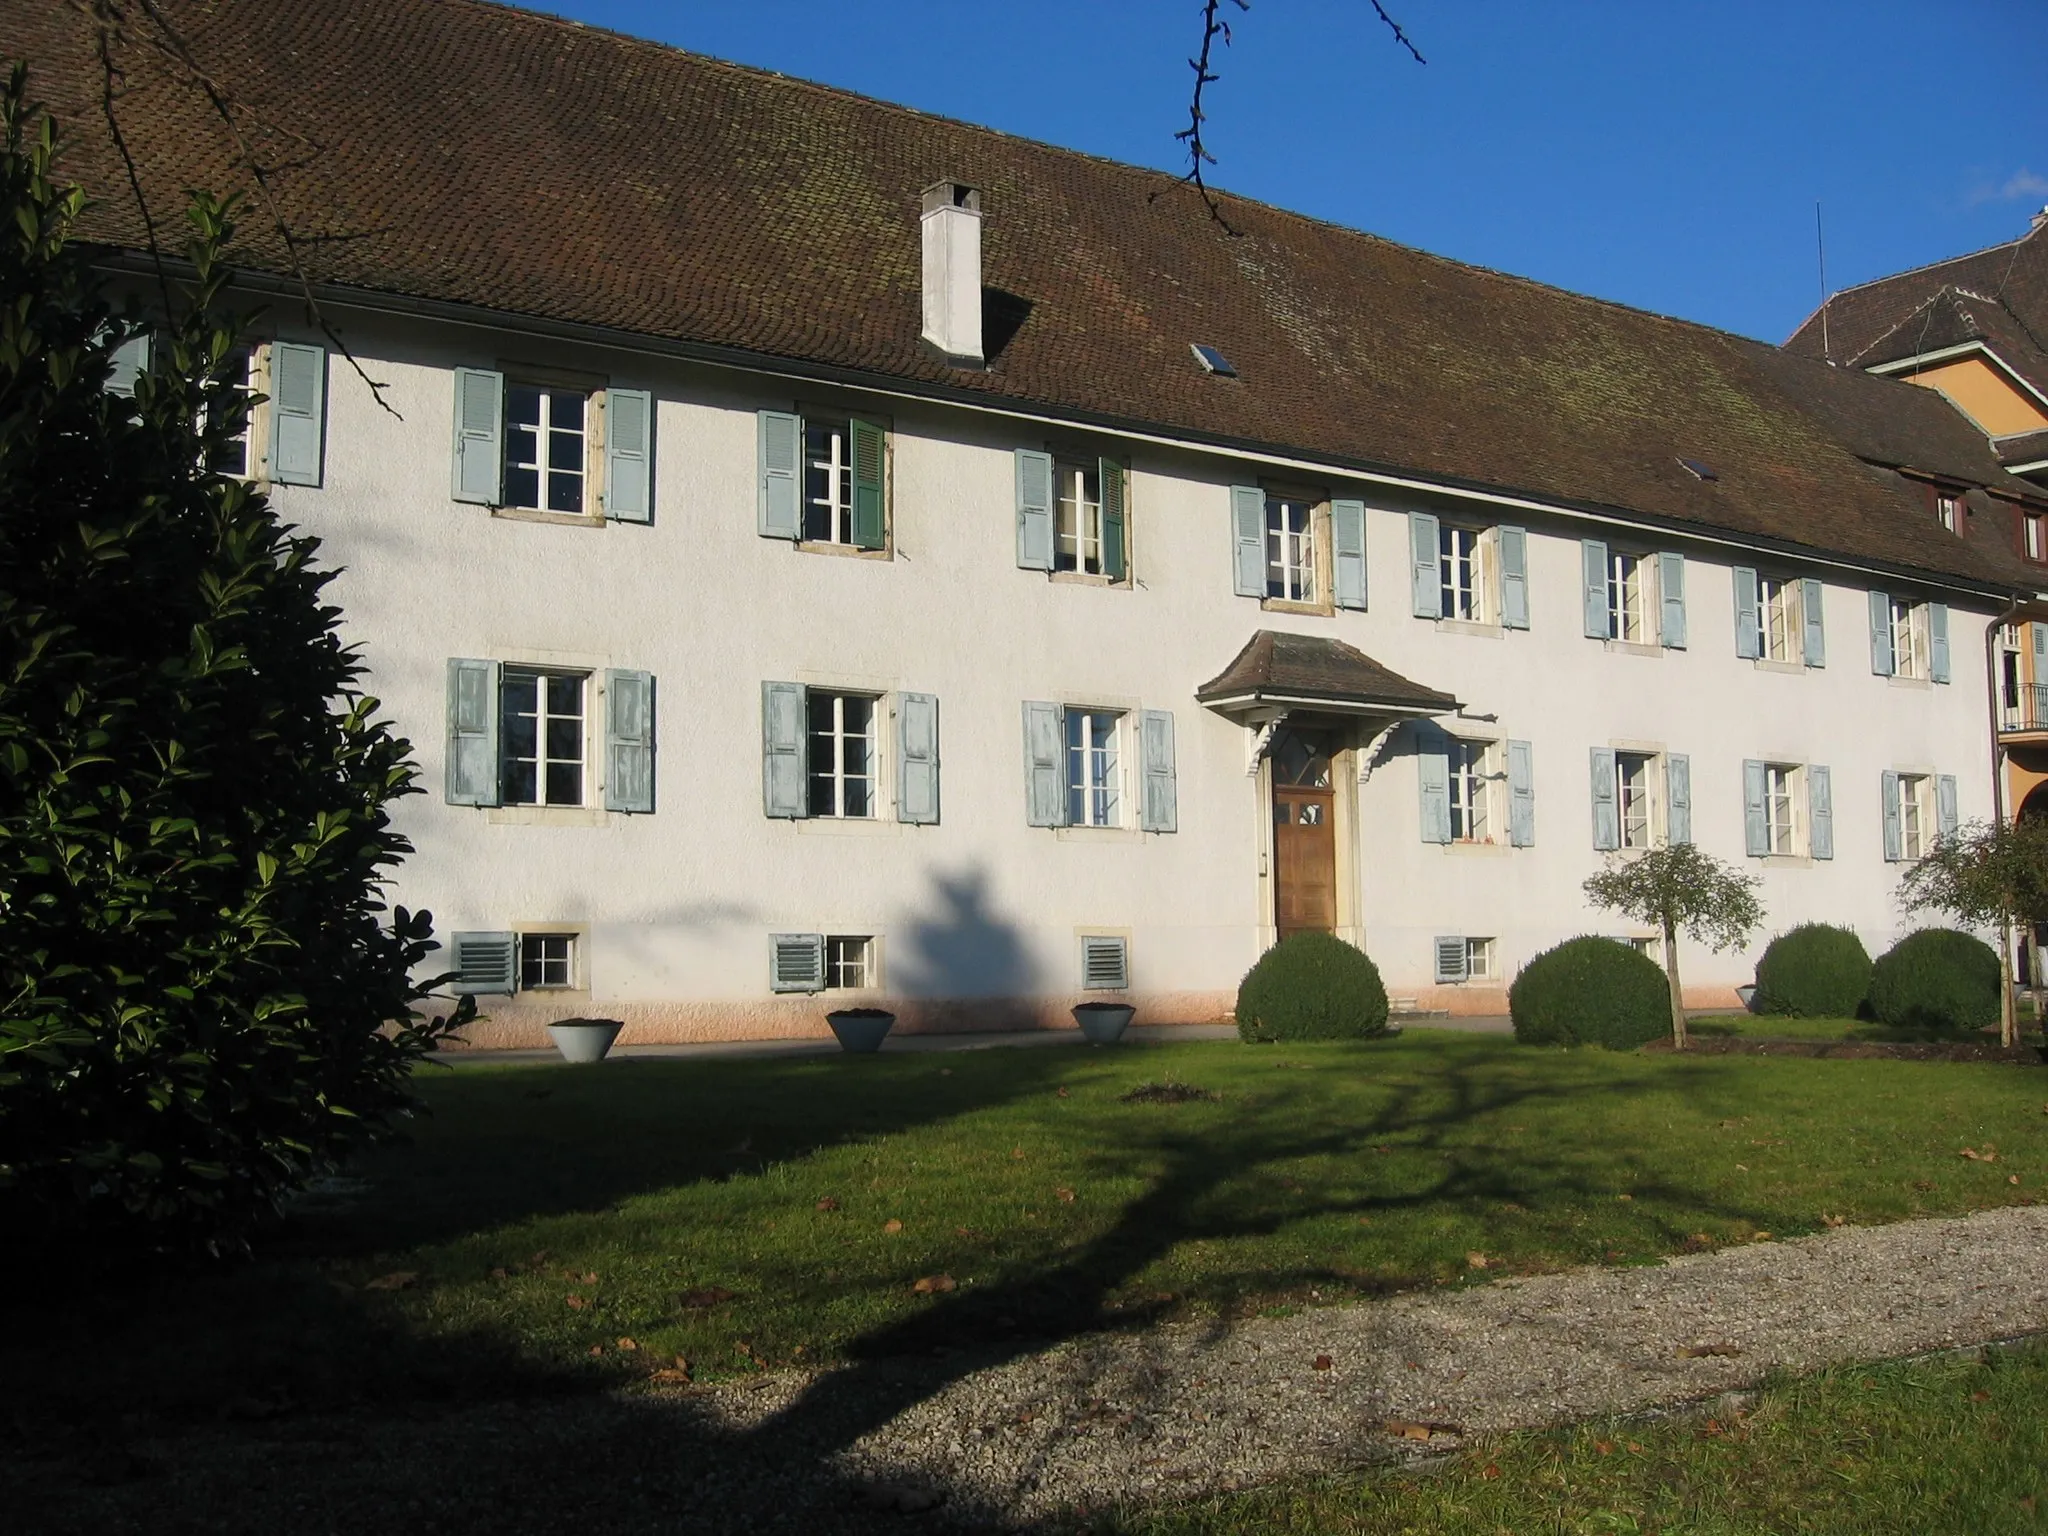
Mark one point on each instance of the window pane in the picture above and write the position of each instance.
(519, 783)
(522, 406)
(565, 409)
(565, 783)
(565, 739)
(522, 488)
(565, 695)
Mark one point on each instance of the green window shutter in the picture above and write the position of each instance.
(1521, 796)
(1433, 779)
(629, 455)
(1749, 628)
(1677, 798)
(1514, 577)
(629, 741)
(130, 361)
(780, 463)
(1116, 489)
(1820, 812)
(1671, 599)
(1045, 779)
(472, 732)
(785, 788)
(1248, 539)
(1452, 959)
(1160, 810)
(1756, 825)
(479, 435)
(796, 962)
(298, 396)
(1606, 814)
(1593, 574)
(1894, 832)
(1034, 510)
(1813, 621)
(486, 964)
(1425, 575)
(870, 475)
(1937, 641)
(1347, 548)
(1881, 659)
(1945, 804)
(917, 758)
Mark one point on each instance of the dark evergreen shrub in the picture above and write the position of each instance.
(1939, 981)
(1590, 991)
(1815, 971)
(1311, 986)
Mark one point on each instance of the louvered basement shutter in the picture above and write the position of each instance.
(1945, 804)
(130, 361)
(1606, 815)
(1451, 958)
(1756, 825)
(1820, 812)
(629, 741)
(1593, 579)
(1677, 798)
(1034, 510)
(1104, 964)
(917, 758)
(1894, 831)
(870, 460)
(1425, 578)
(796, 962)
(1749, 632)
(485, 963)
(1514, 577)
(1813, 621)
(479, 436)
(1521, 796)
(1882, 661)
(1159, 811)
(629, 455)
(779, 464)
(785, 790)
(1937, 641)
(1115, 489)
(1433, 776)
(1045, 782)
(1248, 538)
(298, 396)
(1347, 546)
(472, 772)
(1671, 599)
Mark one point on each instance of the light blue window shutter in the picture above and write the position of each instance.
(779, 457)
(1593, 578)
(917, 759)
(1820, 812)
(1425, 574)
(486, 963)
(1813, 620)
(130, 362)
(1756, 826)
(2040, 649)
(1160, 811)
(1514, 578)
(1248, 539)
(1045, 780)
(1452, 959)
(472, 732)
(1347, 546)
(1115, 488)
(298, 396)
(1521, 796)
(1894, 833)
(479, 435)
(1881, 661)
(629, 741)
(1433, 774)
(629, 455)
(1677, 798)
(1671, 596)
(1945, 804)
(869, 448)
(796, 962)
(1606, 814)
(1937, 641)
(785, 790)
(1034, 510)
(1749, 631)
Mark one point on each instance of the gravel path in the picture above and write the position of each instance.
(1168, 1413)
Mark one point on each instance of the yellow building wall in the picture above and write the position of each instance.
(1984, 395)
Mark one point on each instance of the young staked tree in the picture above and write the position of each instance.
(201, 1001)
(1985, 876)
(1680, 890)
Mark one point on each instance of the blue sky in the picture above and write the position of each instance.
(1663, 153)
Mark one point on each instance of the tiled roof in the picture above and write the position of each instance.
(2023, 448)
(458, 151)
(1274, 663)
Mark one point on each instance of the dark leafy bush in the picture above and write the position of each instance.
(1939, 981)
(204, 1004)
(1590, 991)
(1311, 986)
(1814, 971)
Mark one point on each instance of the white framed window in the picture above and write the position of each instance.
(1464, 559)
(849, 962)
(1947, 509)
(233, 457)
(1476, 777)
(1909, 638)
(840, 753)
(541, 736)
(1290, 549)
(828, 481)
(547, 442)
(1782, 782)
(1462, 958)
(1633, 781)
(1092, 768)
(547, 961)
(1916, 815)
(1479, 959)
(1629, 604)
(1778, 607)
(2034, 546)
(1077, 518)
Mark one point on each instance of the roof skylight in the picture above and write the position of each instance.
(1700, 470)
(1211, 360)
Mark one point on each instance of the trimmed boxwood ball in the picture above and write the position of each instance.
(1939, 980)
(1591, 991)
(1312, 986)
(1814, 971)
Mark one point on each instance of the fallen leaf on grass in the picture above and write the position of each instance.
(498, 1274)
(1624, 1197)
(628, 1344)
(828, 1204)
(537, 1260)
(2012, 1178)
(1323, 1362)
(1923, 1185)
(1489, 1471)
(1067, 1195)
(1410, 1429)
(1986, 1156)
(1604, 1447)
(1980, 1397)
(1705, 1351)
(397, 1280)
(1063, 1094)
(927, 1285)
(1833, 1221)
(596, 1350)
(892, 1225)
(708, 1296)
(1017, 1153)
(576, 1303)
(1476, 1260)
(671, 1376)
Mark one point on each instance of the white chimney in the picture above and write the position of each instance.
(952, 270)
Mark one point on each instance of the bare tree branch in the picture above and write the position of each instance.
(1399, 36)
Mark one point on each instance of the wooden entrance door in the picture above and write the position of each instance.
(1304, 835)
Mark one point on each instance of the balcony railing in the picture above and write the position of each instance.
(2024, 708)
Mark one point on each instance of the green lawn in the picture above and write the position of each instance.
(1770, 1026)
